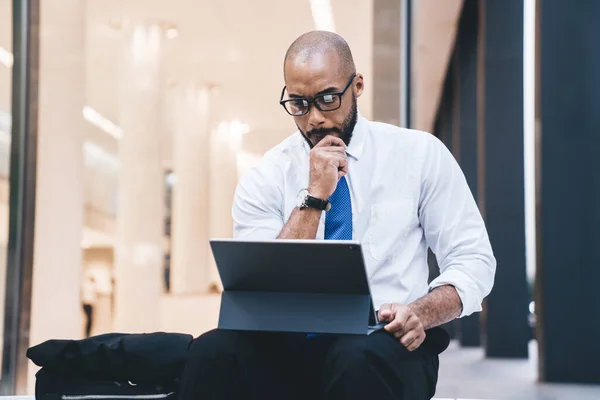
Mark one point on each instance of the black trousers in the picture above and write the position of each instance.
(258, 365)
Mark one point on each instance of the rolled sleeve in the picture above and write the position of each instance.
(257, 205)
(454, 229)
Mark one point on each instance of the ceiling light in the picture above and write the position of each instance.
(172, 33)
(6, 57)
(95, 118)
(322, 15)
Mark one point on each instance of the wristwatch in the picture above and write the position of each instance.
(305, 200)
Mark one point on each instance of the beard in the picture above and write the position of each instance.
(314, 136)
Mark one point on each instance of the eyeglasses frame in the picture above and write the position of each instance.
(311, 100)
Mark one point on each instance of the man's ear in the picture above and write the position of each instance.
(359, 85)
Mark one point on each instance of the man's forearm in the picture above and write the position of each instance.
(303, 224)
(439, 306)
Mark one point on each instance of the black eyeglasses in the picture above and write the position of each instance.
(324, 102)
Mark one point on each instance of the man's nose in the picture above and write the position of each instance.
(315, 116)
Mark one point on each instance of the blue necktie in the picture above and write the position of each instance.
(338, 221)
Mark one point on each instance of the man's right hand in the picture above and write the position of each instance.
(328, 163)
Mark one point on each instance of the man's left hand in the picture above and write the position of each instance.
(403, 324)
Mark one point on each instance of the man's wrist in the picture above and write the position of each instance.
(315, 192)
(310, 211)
(309, 200)
(417, 311)
(439, 306)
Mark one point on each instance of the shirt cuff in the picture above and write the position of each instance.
(465, 287)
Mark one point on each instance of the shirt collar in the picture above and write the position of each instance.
(359, 135)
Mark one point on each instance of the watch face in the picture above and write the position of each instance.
(301, 200)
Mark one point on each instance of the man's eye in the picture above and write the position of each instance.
(300, 103)
(328, 98)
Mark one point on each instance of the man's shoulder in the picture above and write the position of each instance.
(390, 133)
(290, 145)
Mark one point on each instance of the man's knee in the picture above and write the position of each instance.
(215, 345)
(210, 367)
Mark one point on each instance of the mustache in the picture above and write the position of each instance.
(323, 132)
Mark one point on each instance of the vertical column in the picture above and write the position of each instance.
(190, 213)
(55, 304)
(443, 129)
(568, 303)
(501, 172)
(465, 53)
(386, 61)
(139, 249)
(225, 145)
(445, 114)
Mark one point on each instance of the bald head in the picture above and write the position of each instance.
(320, 45)
(319, 69)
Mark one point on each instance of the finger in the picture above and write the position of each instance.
(385, 312)
(399, 321)
(330, 140)
(409, 337)
(327, 151)
(338, 161)
(342, 170)
(332, 149)
(412, 324)
(343, 165)
(416, 343)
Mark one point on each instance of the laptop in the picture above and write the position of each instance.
(303, 286)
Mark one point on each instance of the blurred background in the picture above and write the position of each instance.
(125, 125)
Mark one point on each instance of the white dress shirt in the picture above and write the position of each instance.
(408, 194)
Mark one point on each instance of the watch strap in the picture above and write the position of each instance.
(318, 204)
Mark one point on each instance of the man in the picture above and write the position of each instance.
(395, 190)
(89, 297)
